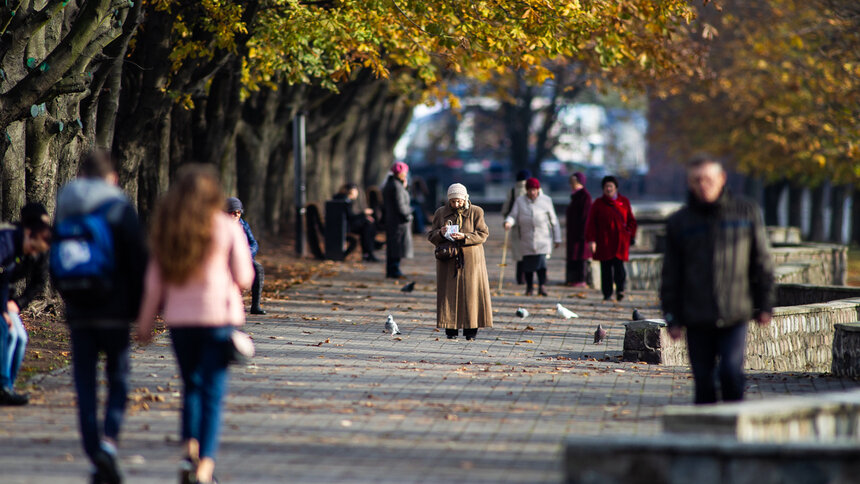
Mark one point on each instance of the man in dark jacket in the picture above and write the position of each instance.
(576, 216)
(22, 250)
(100, 324)
(398, 220)
(236, 210)
(717, 274)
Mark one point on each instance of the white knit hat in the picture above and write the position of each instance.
(458, 190)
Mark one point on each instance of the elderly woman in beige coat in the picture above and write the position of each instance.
(462, 293)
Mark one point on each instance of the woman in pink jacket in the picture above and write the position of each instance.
(200, 264)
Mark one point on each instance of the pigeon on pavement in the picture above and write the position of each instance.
(564, 312)
(408, 287)
(522, 313)
(637, 316)
(599, 334)
(391, 326)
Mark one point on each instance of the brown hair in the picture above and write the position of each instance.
(181, 232)
(703, 159)
(96, 164)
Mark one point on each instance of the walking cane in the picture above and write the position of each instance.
(504, 256)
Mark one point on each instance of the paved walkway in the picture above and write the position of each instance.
(331, 398)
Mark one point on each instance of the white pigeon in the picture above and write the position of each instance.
(391, 326)
(522, 313)
(564, 312)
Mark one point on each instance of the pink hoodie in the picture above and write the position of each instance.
(212, 296)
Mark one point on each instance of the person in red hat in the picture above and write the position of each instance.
(540, 232)
(609, 231)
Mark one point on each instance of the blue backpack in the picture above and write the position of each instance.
(82, 255)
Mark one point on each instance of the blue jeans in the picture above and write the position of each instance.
(706, 345)
(13, 342)
(202, 356)
(87, 343)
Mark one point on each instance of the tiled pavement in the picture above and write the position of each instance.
(331, 398)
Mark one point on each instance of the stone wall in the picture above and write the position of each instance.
(818, 264)
(800, 338)
(829, 263)
(706, 460)
(820, 417)
(795, 294)
(846, 350)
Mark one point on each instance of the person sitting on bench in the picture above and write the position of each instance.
(360, 220)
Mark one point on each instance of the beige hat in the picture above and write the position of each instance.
(458, 190)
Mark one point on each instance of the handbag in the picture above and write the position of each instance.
(241, 348)
(446, 251)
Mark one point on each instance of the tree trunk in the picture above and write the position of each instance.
(855, 217)
(518, 120)
(258, 134)
(772, 193)
(819, 202)
(795, 205)
(838, 197)
(13, 191)
(40, 168)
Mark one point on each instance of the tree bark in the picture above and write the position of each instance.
(855, 216)
(772, 193)
(795, 205)
(819, 202)
(12, 173)
(838, 196)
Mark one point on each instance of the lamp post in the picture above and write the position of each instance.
(299, 154)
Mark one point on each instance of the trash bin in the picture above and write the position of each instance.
(335, 229)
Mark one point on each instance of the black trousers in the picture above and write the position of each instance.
(521, 279)
(366, 232)
(612, 270)
(576, 271)
(392, 267)
(706, 347)
(257, 288)
(530, 277)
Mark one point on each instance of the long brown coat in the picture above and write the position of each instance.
(463, 296)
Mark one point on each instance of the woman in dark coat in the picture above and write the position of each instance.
(397, 212)
(578, 252)
(462, 290)
(609, 231)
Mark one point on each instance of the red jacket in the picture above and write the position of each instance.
(611, 224)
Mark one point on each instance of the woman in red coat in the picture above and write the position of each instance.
(578, 251)
(609, 231)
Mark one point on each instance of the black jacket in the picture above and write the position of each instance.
(717, 269)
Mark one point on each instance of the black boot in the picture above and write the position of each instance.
(10, 398)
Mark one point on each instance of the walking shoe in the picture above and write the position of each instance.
(187, 471)
(107, 467)
(542, 291)
(620, 296)
(258, 311)
(370, 258)
(9, 397)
